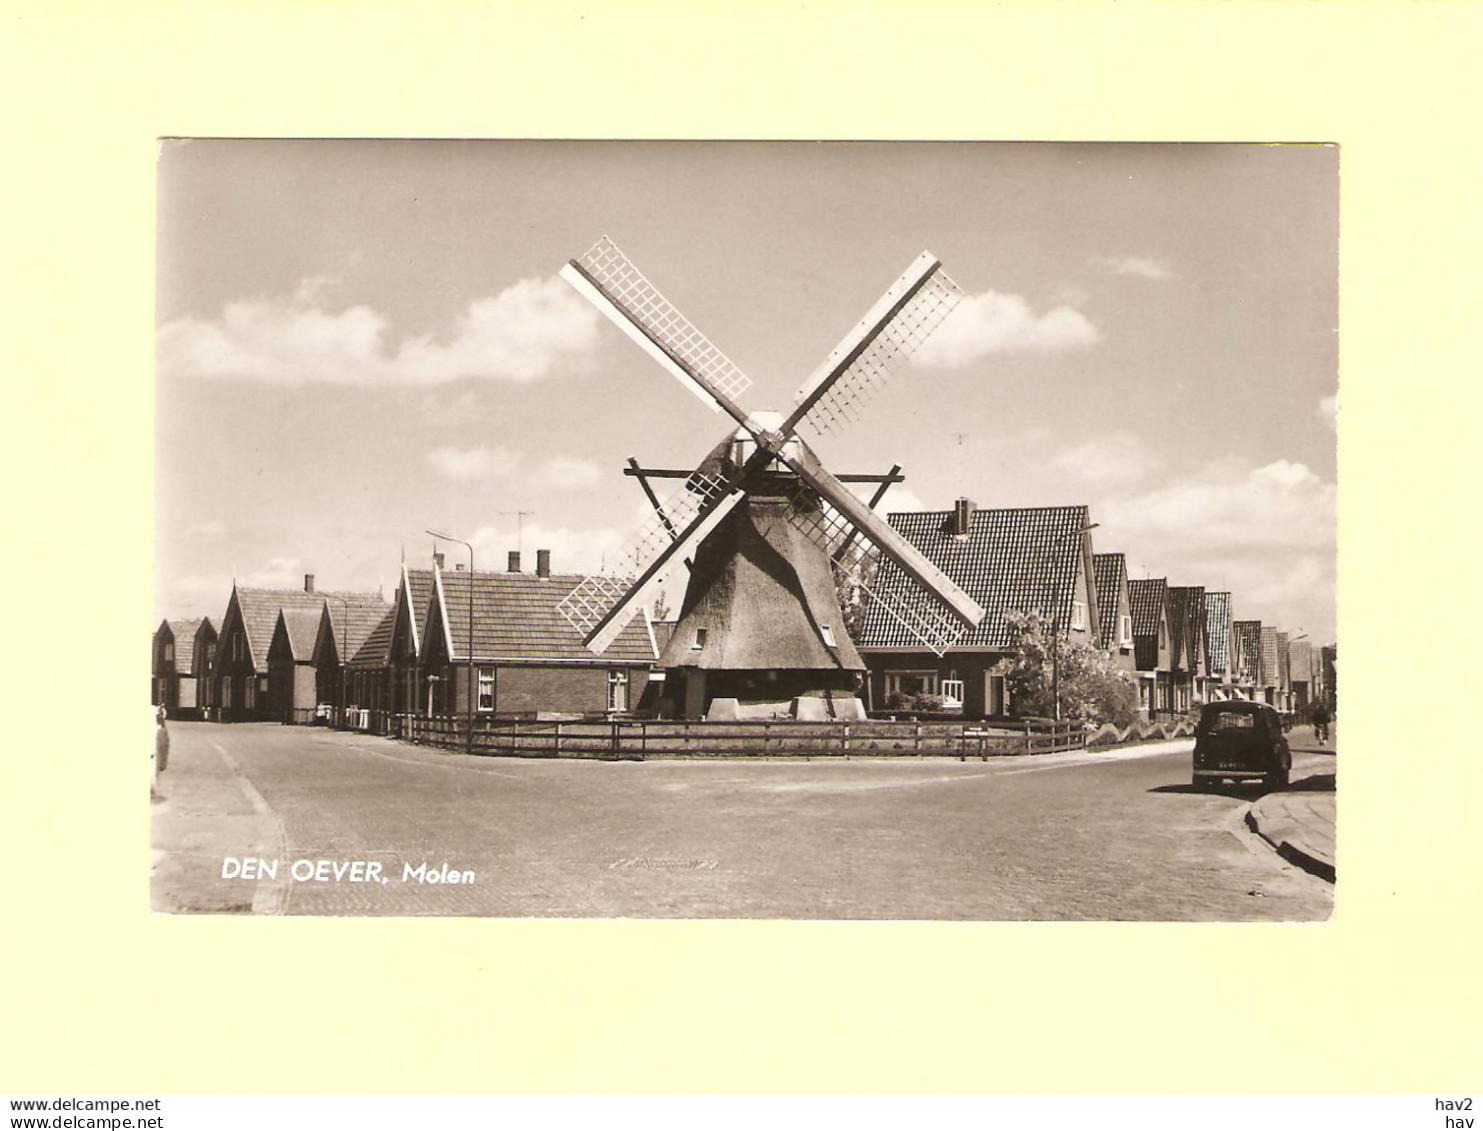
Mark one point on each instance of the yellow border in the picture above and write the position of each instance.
(102, 997)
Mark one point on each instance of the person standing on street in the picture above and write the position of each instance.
(1321, 721)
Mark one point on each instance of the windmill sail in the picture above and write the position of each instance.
(609, 280)
(891, 331)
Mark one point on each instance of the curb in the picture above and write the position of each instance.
(1291, 851)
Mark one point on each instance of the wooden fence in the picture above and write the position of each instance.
(638, 739)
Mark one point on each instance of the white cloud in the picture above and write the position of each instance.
(1137, 266)
(570, 473)
(1119, 459)
(521, 334)
(1328, 408)
(473, 463)
(1281, 504)
(1267, 534)
(994, 323)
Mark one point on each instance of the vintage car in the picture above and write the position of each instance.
(1241, 740)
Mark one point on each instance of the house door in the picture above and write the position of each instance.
(995, 700)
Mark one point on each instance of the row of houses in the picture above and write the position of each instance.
(290, 655)
(1182, 643)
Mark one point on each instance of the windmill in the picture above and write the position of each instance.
(764, 524)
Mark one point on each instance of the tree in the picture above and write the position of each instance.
(851, 578)
(1093, 689)
(661, 606)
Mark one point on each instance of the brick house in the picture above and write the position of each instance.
(171, 668)
(240, 674)
(291, 683)
(1152, 647)
(1114, 609)
(344, 627)
(1221, 642)
(528, 659)
(385, 673)
(1018, 560)
(1187, 638)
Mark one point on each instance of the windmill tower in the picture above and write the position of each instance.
(768, 527)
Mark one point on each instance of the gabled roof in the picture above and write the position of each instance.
(206, 630)
(1271, 672)
(259, 609)
(1248, 635)
(348, 623)
(1301, 660)
(375, 650)
(1186, 625)
(515, 618)
(1017, 560)
(184, 632)
(1110, 572)
(1147, 596)
(1217, 630)
(299, 627)
(418, 584)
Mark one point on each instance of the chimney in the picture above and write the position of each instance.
(458, 568)
(438, 558)
(514, 561)
(963, 517)
(543, 563)
(308, 583)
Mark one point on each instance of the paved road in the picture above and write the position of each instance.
(1081, 836)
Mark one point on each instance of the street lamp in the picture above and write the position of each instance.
(1055, 643)
(470, 699)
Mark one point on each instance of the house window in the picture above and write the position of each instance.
(226, 692)
(249, 699)
(486, 689)
(699, 640)
(1079, 615)
(210, 654)
(618, 690)
(911, 683)
(169, 651)
(1125, 631)
(828, 634)
(1163, 638)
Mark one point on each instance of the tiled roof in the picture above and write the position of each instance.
(1109, 571)
(1270, 670)
(375, 650)
(1147, 596)
(260, 609)
(352, 622)
(1011, 560)
(419, 586)
(1248, 635)
(184, 632)
(1217, 630)
(301, 626)
(515, 618)
(1301, 662)
(1284, 669)
(1186, 625)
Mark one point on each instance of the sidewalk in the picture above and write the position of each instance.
(1299, 823)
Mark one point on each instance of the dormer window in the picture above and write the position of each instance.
(828, 633)
(699, 640)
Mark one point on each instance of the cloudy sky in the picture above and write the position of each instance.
(361, 340)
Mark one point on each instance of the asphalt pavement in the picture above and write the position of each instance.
(1121, 835)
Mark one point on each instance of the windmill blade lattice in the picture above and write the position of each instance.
(591, 600)
(859, 562)
(626, 286)
(912, 325)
